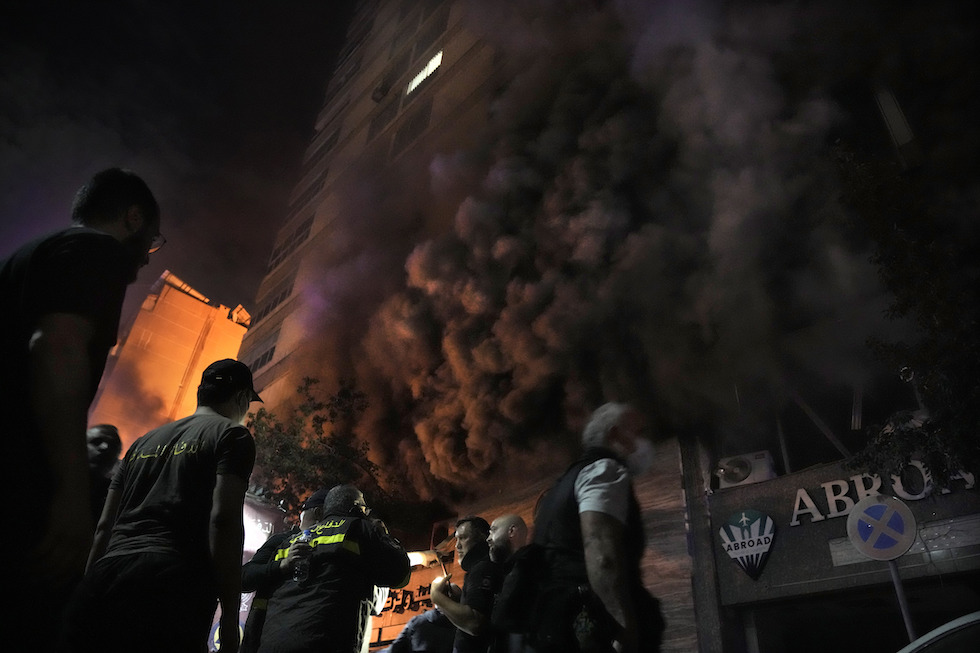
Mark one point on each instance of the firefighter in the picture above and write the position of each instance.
(352, 553)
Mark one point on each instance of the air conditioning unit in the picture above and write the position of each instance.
(745, 468)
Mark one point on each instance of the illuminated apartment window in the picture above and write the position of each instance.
(425, 73)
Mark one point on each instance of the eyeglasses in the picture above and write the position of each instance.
(157, 242)
(363, 507)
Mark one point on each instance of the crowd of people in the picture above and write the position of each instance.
(573, 586)
(136, 554)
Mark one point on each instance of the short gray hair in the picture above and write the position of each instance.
(601, 421)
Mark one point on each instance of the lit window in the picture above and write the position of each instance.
(430, 68)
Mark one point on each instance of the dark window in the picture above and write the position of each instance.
(323, 149)
(266, 349)
(385, 116)
(413, 126)
(273, 299)
(431, 31)
(264, 359)
(307, 195)
(288, 246)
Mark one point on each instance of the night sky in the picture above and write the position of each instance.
(213, 103)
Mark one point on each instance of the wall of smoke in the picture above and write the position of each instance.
(652, 215)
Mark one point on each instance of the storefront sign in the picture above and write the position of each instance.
(839, 498)
(747, 538)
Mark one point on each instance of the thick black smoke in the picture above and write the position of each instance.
(653, 215)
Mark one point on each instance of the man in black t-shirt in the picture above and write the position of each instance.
(169, 542)
(469, 609)
(60, 298)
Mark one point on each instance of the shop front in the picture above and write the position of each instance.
(791, 579)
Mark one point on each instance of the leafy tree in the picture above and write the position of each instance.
(930, 264)
(313, 446)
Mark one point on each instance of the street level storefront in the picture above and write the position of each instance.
(792, 579)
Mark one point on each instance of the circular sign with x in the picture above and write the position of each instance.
(881, 527)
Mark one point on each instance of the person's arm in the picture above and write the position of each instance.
(104, 529)
(465, 618)
(605, 563)
(387, 559)
(264, 570)
(226, 538)
(60, 390)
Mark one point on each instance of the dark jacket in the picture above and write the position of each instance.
(262, 575)
(327, 612)
(429, 632)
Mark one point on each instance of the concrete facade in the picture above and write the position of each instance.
(369, 120)
(154, 370)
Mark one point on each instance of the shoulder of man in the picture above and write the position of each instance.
(79, 243)
(484, 574)
(222, 427)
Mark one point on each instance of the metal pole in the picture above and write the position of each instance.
(751, 632)
(902, 602)
(783, 449)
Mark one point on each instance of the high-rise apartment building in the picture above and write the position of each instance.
(153, 372)
(411, 83)
(410, 79)
(744, 554)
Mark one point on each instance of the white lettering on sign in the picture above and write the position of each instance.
(926, 476)
(864, 491)
(749, 545)
(839, 503)
(808, 508)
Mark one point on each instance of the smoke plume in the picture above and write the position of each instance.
(652, 215)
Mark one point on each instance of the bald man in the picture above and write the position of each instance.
(508, 533)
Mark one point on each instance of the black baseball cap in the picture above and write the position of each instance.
(316, 499)
(229, 373)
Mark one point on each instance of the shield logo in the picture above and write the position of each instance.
(747, 538)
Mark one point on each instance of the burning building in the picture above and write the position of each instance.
(512, 212)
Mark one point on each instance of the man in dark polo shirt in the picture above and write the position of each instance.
(168, 546)
(469, 609)
(61, 298)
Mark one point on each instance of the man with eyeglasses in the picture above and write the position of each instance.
(61, 297)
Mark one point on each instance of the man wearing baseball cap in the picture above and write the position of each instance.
(168, 546)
